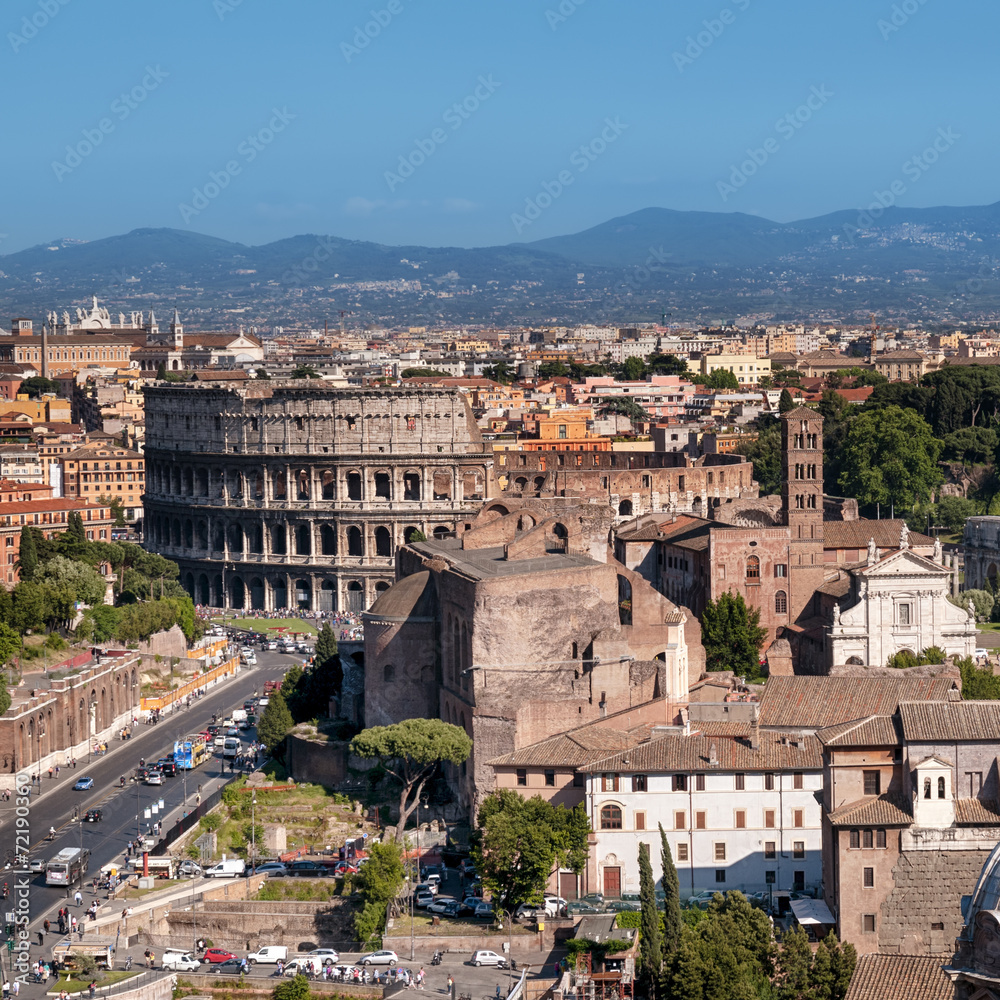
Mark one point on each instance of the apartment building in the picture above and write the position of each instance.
(101, 469)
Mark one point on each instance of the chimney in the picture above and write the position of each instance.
(754, 734)
(713, 756)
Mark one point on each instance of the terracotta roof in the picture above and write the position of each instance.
(694, 753)
(208, 375)
(899, 977)
(977, 812)
(53, 503)
(876, 731)
(216, 339)
(570, 749)
(873, 810)
(731, 730)
(816, 702)
(950, 721)
(855, 534)
(799, 413)
(855, 395)
(903, 355)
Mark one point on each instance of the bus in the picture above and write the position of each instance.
(69, 865)
(190, 753)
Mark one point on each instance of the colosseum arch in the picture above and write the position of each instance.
(328, 595)
(442, 484)
(303, 541)
(302, 484)
(383, 486)
(328, 484)
(202, 534)
(255, 538)
(279, 589)
(355, 596)
(279, 540)
(383, 541)
(189, 482)
(188, 533)
(328, 540)
(354, 491)
(258, 486)
(236, 539)
(237, 592)
(202, 594)
(219, 537)
(441, 531)
(355, 541)
(258, 594)
(278, 490)
(411, 486)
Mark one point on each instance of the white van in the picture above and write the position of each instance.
(180, 961)
(232, 868)
(269, 955)
(231, 747)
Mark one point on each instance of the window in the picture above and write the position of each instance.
(781, 569)
(798, 881)
(769, 819)
(699, 782)
(611, 817)
(700, 820)
(741, 819)
(974, 778)
(682, 852)
(609, 782)
(753, 569)
(797, 779)
(868, 838)
(880, 838)
(868, 923)
(873, 783)
(855, 841)
(578, 780)
(741, 782)
(904, 614)
(869, 878)
(522, 777)
(680, 820)
(769, 849)
(550, 779)
(941, 787)
(680, 783)
(781, 603)
(927, 788)
(798, 818)
(720, 874)
(769, 877)
(640, 821)
(798, 848)
(769, 782)
(638, 782)
(720, 852)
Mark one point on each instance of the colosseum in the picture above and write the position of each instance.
(289, 494)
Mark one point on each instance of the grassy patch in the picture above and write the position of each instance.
(79, 985)
(300, 889)
(453, 925)
(136, 893)
(268, 624)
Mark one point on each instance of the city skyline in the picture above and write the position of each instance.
(403, 124)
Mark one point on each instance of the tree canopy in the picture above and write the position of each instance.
(410, 751)
(521, 842)
(275, 724)
(732, 635)
(764, 452)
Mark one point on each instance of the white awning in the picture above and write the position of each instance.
(811, 911)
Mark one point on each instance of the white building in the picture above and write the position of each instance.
(739, 813)
(899, 602)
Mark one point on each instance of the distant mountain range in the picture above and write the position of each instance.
(930, 266)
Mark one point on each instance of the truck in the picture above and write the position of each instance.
(269, 955)
(239, 715)
(271, 686)
(100, 949)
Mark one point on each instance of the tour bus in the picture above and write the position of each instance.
(190, 753)
(231, 748)
(68, 866)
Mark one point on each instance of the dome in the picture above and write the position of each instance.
(412, 598)
(986, 895)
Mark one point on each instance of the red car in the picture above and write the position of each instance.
(345, 868)
(214, 955)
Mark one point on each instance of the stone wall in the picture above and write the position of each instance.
(169, 643)
(319, 763)
(923, 914)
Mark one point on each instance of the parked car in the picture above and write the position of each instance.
(431, 887)
(216, 955)
(270, 868)
(179, 961)
(484, 911)
(298, 867)
(554, 905)
(93, 816)
(269, 955)
(231, 868)
(423, 898)
(345, 868)
(701, 900)
(576, 906)
(230, 967)
(83, 784)
(189, 869)
(484, 957)
(328, 956)
(379, 958)
(441, 904)
(621, 906)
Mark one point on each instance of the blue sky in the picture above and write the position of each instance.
(253, 120)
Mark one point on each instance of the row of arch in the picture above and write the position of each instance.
(271, 591)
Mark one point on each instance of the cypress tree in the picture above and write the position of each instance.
(671, 886)
(326, 645)
(161, 370)
(28, 555)
(785, 401)
(650, 952)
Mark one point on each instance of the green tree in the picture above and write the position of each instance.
(667, 364)
(732, 635)
(843, 960)
(304, 371)
(553, 369)
(785, 401)
(378, 882)
(520, 842)
(953, 512)
(722, 378)
(982, 602)
(326, 644)
(821, 977)
(10, 642)
(37, 386)
(296, 988)
(86, 583)
(971, 445)
(794, 961)
(650, 952)
(625, 406)
(74, 527)
(104, 622)
(117, 506)
(671, 886)
(161, 371)
(890, 457)
(632, 370)
(500, 372)
(410, 751)
(261, 373)
(978, 683)
(31, 606)
(421, 373)
(765, 453)
(415, 535)
(275, 724)
(27, 560)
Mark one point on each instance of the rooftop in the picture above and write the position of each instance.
(951, 721)
(899, 977)
(487, 563)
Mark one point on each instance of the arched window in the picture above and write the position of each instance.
(753, 568)
(927, 788)
(781, 603)
(625, 508)
(355, 542)
(611, 817)
(941, 787)
(383, 541)
(388, 673)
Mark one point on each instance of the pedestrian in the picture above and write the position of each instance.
(74, 763)
(50, 772)
(15, 988)
(78, 898)
(93, 989)
(6, 988)
(498, 991)
(72, 924)
(46, 925)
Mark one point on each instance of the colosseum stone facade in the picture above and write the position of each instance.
(289, 494)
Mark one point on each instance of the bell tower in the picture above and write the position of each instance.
(802, 506)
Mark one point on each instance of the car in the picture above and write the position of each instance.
(179, 961)
(379, 958)
(345, 868)
(453, 908)
(83, 784)
(232, 731)
(264, 702)
(441, 904)
(230, 967)
(431, 887)
(423, 898)
(153, 778)
(594, 898)
(270, 645)
(36, 865)
(217, 956)
(576, 906)
(621, 906)
(190, 869)
(93, 816)
(270, 868)
(528, 912)
(484, 911)
(219, 740)
(305, 866)
(485, 957)
(432, 878)
(701, 899)
(467, 867)
(325, 955)
(982, 651)
(166, 767)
